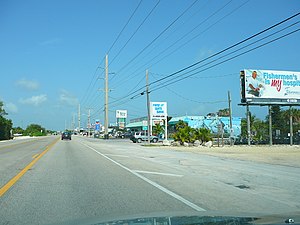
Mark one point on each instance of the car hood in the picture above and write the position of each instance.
(203, 219)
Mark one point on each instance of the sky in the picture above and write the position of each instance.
(52, 55)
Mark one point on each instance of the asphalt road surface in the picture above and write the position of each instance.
(50, 181)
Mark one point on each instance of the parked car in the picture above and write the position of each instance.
(138, 137)
(66, 135)
(124, 135)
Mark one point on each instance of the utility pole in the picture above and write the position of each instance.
(106, 99)
(148, 106)
(230, 118)
(79, 118)
(73, 122)
(89, 122)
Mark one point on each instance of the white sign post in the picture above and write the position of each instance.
(158, 110)
(121, 116)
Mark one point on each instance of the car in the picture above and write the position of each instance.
(123, 134)
(66, 135)
(138, 137)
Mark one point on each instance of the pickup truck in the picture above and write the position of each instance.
(138, 137)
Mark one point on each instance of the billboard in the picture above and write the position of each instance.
(270, 87)
(121, 114)
(158, 109)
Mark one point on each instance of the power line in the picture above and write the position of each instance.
(157, 37)
(226, 49)
(124, 26)
(241, 48)
(207, 58)
(152, 49)
(196, 101)
(203, 77)
(192, 100)
(196, 36)
(141, 24)
(233, 57)
(175, 81)
(86, 95)
(186, 34)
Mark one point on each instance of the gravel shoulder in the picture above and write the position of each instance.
(278, 154)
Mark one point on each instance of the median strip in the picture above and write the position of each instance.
(10, 183)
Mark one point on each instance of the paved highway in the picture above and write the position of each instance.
(88, 179)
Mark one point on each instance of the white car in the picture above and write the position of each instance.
(138, 137)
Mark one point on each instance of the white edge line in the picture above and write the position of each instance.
(174, 195)
(123, 156)
(157, 173)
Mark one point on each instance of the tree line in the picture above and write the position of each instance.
(7, 130)
(280, 125)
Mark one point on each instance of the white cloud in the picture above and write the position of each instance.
(67, 98)
(34, 100)
(11, 107)
(203, 53)
(28, 84)
(52, 41)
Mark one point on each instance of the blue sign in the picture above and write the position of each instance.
(97, 125)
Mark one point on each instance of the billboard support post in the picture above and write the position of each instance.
(248, 125)
(291, 126)
(270, 124)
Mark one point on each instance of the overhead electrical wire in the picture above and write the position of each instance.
(226, 49)
(163, 30)
(196, 101)
(233, 57)
(218, 53)
(86, 95)
(117, 38)
(170, 34)
(124, 100)
(196, 36)
(230, 53)
(136, 30)
(185, 35)
(160, 34)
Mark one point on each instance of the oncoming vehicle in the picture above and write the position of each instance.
(66, 135)
(138, 137)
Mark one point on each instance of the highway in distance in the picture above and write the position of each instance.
(52, 181)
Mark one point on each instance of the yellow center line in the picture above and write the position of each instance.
(10, 183)
(35, 156)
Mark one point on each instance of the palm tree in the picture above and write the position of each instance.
(158, 129)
